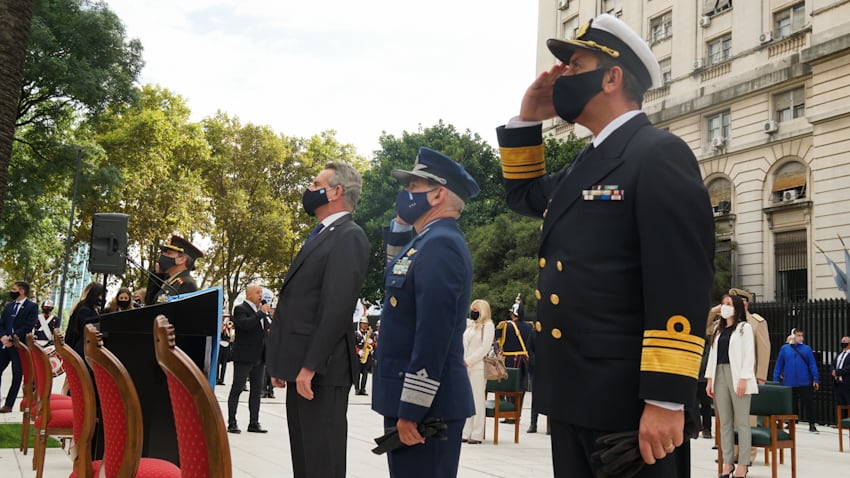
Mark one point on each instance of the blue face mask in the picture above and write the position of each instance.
(411, 206)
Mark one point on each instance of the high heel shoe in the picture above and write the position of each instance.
(728, 475)
(733, 475)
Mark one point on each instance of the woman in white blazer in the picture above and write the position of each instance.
(477, 340)
(731, 382)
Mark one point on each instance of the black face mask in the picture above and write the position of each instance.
(101, 303)
(474, 315)
(46, 311)
(312, 200)
(843, 345)
(571, 93)
(14, 294)
(166, 262)
(123, 304)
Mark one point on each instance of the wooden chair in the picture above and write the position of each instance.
(201, 436)
(499, 407)
(122, 417)
(53, 415)
(774, 404)
(843, 424)
(83, 401)
(28, 399)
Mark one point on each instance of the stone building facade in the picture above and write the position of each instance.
(760, 90)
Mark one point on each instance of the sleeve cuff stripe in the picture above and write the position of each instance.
(524, 155)
(416, 398)
(673, 344)
(412, 377)
(423, 386)
(663, 334)
(669, 361)
(427, 391)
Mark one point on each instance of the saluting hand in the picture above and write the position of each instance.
(537, 103)
(304, 383)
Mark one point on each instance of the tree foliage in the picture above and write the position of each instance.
(159, 156)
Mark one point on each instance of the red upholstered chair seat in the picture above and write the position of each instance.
(58, 419)
(148, 468)
(55, 398)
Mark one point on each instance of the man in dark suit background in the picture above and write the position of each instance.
(18, 318)
(625, 256)
(840, 370)
(310, 349)
(250, 323)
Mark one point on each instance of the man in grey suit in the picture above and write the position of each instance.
(311, 343)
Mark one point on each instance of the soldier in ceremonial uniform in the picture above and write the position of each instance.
(173, 268)
(513, 336)
(365, 342)
(420, 373)
(625, 256)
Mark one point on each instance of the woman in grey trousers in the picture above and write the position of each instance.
(731, 381)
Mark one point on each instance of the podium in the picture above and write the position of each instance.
(129, 335)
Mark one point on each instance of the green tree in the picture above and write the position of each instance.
(377, 206)
(159, 156)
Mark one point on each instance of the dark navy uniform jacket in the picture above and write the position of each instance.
(420, 371)
(626, 272)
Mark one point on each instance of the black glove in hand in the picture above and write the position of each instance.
(619, 455)
(431, 427)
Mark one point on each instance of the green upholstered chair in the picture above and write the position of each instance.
(500, 407)
(843, 423)
(773, 404)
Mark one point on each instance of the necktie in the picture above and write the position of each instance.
(315, 232)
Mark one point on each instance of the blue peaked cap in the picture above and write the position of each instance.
(441, 169)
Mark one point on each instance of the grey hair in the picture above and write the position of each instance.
(347, 177)
(454, 203)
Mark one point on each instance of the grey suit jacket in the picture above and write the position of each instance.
(312, 326)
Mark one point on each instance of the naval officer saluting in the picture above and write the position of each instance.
(625, 256)
(420, 373)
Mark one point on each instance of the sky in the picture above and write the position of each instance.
(359, 67)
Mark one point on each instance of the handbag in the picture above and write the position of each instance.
(494, 364)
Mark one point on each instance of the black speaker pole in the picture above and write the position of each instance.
(70, 231)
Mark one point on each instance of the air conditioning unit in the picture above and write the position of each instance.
(699, 64)
(563, 4)
(789, 195)
(717, 142)
(766, 37)
(771, 127)
(704, 21)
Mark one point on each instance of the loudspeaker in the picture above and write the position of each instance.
(108, 243)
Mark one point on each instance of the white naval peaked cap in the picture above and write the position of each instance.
(608, 34)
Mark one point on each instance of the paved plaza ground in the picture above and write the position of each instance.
(267, 455)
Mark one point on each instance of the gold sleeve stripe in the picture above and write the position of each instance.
(673, 344)
(523, 163)
(664, 334)
(664, 360)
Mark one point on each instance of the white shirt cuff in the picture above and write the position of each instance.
(515, 122)
(676, 407)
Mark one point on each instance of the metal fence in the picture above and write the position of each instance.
(824, 322)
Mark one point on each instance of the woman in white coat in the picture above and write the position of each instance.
(477, 340)
(731, 381)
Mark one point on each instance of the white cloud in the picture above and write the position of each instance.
(356, 67)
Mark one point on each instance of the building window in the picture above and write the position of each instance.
(720, 49)
(720, 194)
(791, 258)
(789, 20)
(790, 104)
(614, 7)
(789, 182)
(570, 27)
(666, 70)
(713, 7)
(719, 126)
(661, 27)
